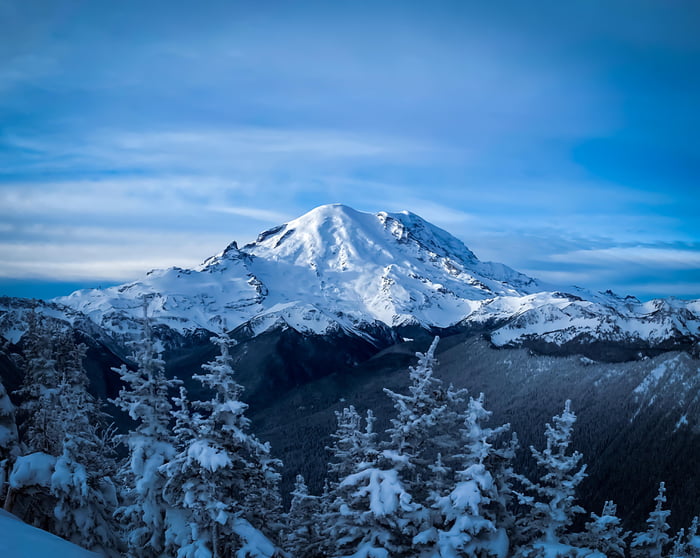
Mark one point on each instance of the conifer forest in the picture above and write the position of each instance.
(187, 478)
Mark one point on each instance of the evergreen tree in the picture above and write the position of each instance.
(350, 444)
(82, 482)
(150, 445)
(41, 431)
(604, 533)
(467, 520)
(501, 466)
(41, 428)
(553, 505)
(368, 516)
(687, 545)
(652, 542)
(352, 447)
(222, 484)
(303, 538)
(417, 415)
(424, 425)
(9, 443)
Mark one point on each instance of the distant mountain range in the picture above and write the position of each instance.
(338, 269)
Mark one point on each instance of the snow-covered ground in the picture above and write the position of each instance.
(19, 540)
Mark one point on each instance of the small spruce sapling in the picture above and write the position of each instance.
(652, 542)
(303, 539)
(604, 533)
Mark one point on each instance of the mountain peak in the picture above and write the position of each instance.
(338, 232)
(331, 267)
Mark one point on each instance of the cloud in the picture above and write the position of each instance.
(91, 253)
(213, 152)
(255, 213)
(648, 256)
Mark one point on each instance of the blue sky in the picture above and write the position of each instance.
(559, 138)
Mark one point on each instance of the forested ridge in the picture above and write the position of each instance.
(190, 479)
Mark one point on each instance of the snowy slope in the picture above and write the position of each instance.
(335, 268)
(15, 315)
(17, 539)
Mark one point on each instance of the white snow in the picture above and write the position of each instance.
(255, 544)
(654, 377)
(208, 457)
(34, 469)
(17, 539)
(682, 421)
(382, 488)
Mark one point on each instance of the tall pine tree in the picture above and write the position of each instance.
(41, 431)
(83, 480)
(303, 534)
(369, 513)
(552, 505)
(9, 443)
(222, 477)
(145, 397)
(466, 523)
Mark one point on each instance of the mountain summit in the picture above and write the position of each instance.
(338, 269)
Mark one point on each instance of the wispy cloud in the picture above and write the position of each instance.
(254, 213)
(661, 257)
(91, 253)
(203, 151)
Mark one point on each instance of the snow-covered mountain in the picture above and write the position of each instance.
(337, 269)
(331, 268)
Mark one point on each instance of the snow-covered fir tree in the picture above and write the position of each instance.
(62, 482)
(687, 545)
(351, 444)
(9, 442)
(501, 466)
(41, 431)
(83, 478)
(604, 533)
(303, 536)
(145, 397)
(417, 414)
(653, 542)
(351, 447)
(552, 503)
(370, 511)
(467, 520)
(426, 422)
(222, 485)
